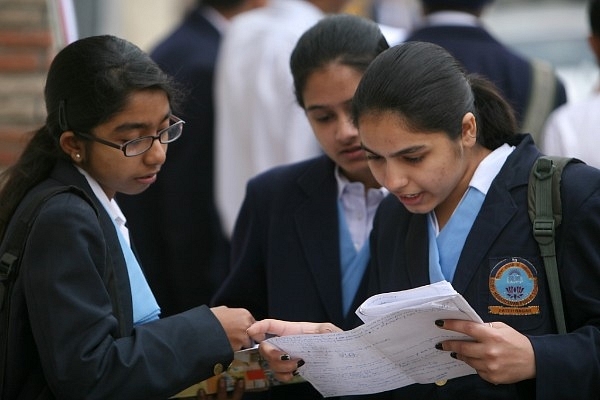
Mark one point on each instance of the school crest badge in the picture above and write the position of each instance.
(513, 283)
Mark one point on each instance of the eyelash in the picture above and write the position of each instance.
(411, 160)
(414, 160)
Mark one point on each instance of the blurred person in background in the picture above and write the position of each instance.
(531, 87)
(258, 123)
(572, 129)
(175, 222)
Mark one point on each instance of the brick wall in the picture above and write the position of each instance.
(25, 52)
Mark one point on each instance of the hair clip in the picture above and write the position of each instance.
(62, 116)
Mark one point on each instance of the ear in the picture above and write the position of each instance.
(469, 130)
(594, 43)
(72, 146)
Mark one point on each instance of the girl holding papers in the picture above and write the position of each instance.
(445, 145)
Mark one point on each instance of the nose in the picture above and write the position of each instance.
(157, 154)
(346, 130)
(396, 178)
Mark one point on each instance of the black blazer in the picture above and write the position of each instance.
(285, 253)
(71, 331)
(568, 365)
(174, 223)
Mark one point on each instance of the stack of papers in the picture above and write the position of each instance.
(394, 348)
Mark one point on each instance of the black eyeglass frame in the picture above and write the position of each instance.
(123, 147)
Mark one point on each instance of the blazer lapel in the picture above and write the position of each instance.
(417, 255)
(115, 271)
(317, 226)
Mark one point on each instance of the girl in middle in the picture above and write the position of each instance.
(300, 245)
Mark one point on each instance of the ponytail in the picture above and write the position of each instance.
(496, 122)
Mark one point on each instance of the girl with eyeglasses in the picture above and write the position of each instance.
(83, 320)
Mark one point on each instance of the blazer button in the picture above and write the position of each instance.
(441, 382)
(218, 369)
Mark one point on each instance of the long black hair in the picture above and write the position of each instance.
(347, 39)
(428, 88)
(89, 82)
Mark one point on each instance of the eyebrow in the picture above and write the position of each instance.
(128, 126)
(403, 152)
(321, 106)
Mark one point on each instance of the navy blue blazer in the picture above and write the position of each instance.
(174, 224)
(71, 331)
(481, 53)
(285, 247)
(568, 366)
(285, 252)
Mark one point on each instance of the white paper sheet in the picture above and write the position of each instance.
(394, 348)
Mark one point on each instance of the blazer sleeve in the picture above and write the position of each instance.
(76, 331)
(246, 284)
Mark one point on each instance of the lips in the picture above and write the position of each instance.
(352, 149)
(410, 199)
(147, 179)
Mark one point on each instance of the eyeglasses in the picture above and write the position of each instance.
(141, 145)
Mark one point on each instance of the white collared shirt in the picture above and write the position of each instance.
(451, 18)
(484, 175)
(215, 18)
(110, 205)
(359, 208)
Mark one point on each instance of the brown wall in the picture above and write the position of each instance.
(25, 52)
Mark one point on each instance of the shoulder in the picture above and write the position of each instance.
(580, 181)
(290, 173)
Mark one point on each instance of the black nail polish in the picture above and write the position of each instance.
(439, 322)
(301, 363)
(295, 373)
(453, 355)
(439, 346)
(285, 357)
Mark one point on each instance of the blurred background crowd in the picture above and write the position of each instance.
(32, 30)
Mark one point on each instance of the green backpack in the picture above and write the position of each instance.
(545, 212)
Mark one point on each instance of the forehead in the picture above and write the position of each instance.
(331, 83)
(386, 132)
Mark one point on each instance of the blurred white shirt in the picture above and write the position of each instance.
(573, 130)
(258, 122)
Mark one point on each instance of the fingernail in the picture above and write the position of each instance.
(295, 373)
(439, 346)
(300, 363)
(453, 355)
(439, 322)
(285, 357)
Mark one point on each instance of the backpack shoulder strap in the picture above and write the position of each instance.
(10, 258)
(545, 212)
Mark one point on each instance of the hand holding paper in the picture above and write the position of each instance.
(394, 348)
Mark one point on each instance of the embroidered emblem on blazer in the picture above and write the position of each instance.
(513, 283)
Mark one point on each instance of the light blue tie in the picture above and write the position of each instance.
(452, 237)
(145, 307)
(353, 263)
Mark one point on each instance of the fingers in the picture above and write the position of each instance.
(260, 329)
(280, 363)
(498, 353)
(235, 322)
(222, 394)
(238, 392)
